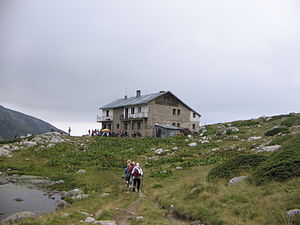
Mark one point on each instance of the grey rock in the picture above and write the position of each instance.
(30, 144)
(293, 212)
(254, 138)
(15, 148)
(221, 131)
(105, 222)
(104, 194)
(4, 153)
(62, 204)
(81, 171)
(234, 129)
(86, 214)
(50, 146)
(16, 217)
(89, 220)
(171, 208)
(197, 222)
(159, 151)
(175, 148)
(192, 144)
(74, 192)
(236, 180)
(80, 196)
(271, 148)
(204, 142)
(37, 139)
(6, 146)
(178, 168)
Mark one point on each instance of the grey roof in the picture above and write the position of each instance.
(121, 102)
(143, 99)
(166, 126)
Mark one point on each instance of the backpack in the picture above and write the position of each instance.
(137, 173)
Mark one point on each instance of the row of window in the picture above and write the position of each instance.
(178, 125)
(137, 126)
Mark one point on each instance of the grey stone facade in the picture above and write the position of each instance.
(139, 119)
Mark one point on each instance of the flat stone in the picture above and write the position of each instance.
(6, 146)
(192, 144)
(236, 180)
(4, 153)
(293, 212)
(81, 171)
(254, 138)
(271, 148)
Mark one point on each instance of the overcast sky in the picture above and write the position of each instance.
(60, 60)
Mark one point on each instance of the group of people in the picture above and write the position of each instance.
(134, 176)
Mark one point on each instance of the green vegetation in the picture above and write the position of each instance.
(277, 130)
(176, 182)
(235, 166)
(282, 165)
(291, 121)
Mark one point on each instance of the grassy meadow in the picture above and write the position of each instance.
(181, 184)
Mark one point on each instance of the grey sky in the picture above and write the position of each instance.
(61, 60)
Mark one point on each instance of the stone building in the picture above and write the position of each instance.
(137, 116)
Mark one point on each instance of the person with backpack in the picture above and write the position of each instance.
(127, 173)
(131, 166)
(137, 173)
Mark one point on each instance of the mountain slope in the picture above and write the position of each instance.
(13, 123)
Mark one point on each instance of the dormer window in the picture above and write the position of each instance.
(107, 113)
(132, 110)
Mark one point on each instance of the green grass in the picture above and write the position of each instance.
(277, 130)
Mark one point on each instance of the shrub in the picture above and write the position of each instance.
(277, 130)
(280, 140)
(235, 166)
(243, 123)
(291, 121)
(209, 130)
(281, 165)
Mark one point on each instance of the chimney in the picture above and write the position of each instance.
(161, 91)
(138, 93)
(125, 97)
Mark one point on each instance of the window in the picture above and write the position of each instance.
(138, 126)
(178, 124)
(132, 110)
(109, 126)
(104, 126)
(107, 113)
(194, 115)
(125, 126)
(139, 109)
(174, 124)
(194, 126)
(174, 111)
(178, 111)
(118, 126)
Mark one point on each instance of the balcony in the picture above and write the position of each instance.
(104, 118)
(134, 116)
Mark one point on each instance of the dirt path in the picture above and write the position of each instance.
(126, 214)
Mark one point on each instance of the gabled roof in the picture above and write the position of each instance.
(143, 99)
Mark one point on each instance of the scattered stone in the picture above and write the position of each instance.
(37, 139)
(65, 215)
(175, 148)
(293, 212)
(171, 208)
(192, 144)
(19, 199)
(271, 148)
(81, 171)
(189, 136)
(233, 129)
(231, 148)
(104, 195)
(86, 214)
(89, 220)
(29, 144)
(125, 211)
(138, 218)
(204, 142)
(80, 196)
(62, 204)
(236, 180)
(15, 148)
(197, 222)
(57, 182)
(16, 217)
(4, 153)
(6, 146)
(74, 192)
(105, 222)
(50, 146)
(254, 138)
(159, 151)
(221, 131)
(178, 168)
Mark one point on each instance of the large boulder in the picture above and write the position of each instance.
(293, 212)
(4, 153)
(254, 138)
(192, 144)
(271, 148)
(29, 144)
(236, 180)
(16, 217)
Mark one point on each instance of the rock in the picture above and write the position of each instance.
(139, 218)
(56, 140)
(81, 171)
(3, 179)
(86, 214)
(37, 139)
(254, 138)
(197, 222)
(293, 212)
(57, 182)
(171, 208)
(233, 129)
(192, 144)
(125, 211)
(189, 136)
(204, 142)
(159, 151)
(175, 148)
(65, 215)
(6, 146)
(104, 194)
(15, 148)
(4, 153)
(30, 144)
(80, 196)
(236, 180)
(221, 131)
(233, 147)
(178, 168)
(105, 222)
(16, 217)
(271, 148)
(62, 204)
(74, 192)
(89, 220)
(19, 199)
(50, 146)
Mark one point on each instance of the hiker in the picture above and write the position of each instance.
(131, 166)
(127, 173)
(137, 173)
(89, 132)
(69, 131)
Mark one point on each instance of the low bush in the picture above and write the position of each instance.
(281, 165)
(291, 121)
(243, 123)
(279, 140)
(277, 130)
(235, 166)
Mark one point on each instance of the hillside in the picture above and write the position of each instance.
(13, 123)
(188, 179)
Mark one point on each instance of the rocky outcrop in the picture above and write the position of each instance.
(271, 148)
(16, 217)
